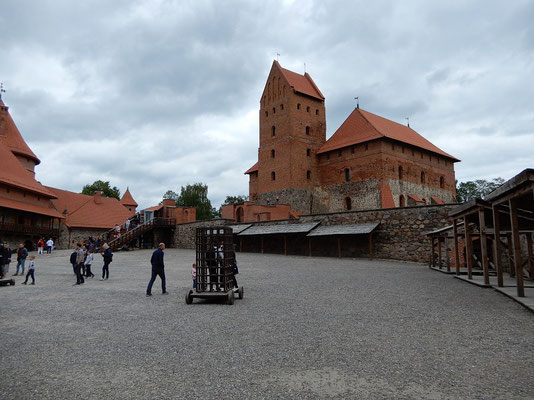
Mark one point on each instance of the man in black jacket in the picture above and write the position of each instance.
(158, 268)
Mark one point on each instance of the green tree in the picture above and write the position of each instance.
(195, 195)
(236, 199)
(478, 188)
(102, 187)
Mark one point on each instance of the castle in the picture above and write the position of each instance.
(369, 163)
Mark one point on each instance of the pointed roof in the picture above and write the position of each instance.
(85, 211)
(362, 126)
(11, 137)
(254, 168)
(13, 173)
(127, 199)
(300, 83)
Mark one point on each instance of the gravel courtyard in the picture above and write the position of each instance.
(309, 328)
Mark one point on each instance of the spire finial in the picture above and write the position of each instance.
(357, 102)
(2, 90)
(408, 121)
(304, 67)
(277, 56)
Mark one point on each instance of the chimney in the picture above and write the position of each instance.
(98, 197)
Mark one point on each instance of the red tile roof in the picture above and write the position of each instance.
(127, 199)
(13, 173)
(90, 211)
(437, 200)
(387, 197)
(19, 205)
(362, 126)
(154, 208)
(301, 83)
(11, 137)
(252, 169)
(414, 197)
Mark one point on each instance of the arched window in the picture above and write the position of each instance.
(441, 182)
(274, 110)
(307, 131)
(239, 214)
(422, 176)
(281, 106)
(308, 152)
(273, 131)
(347, 175)
(401, 173)
(316, 112)
(298, 106)
(308, 175)
(273, 176)
(308, 109)
(348, 203)
(402, 201)
(273, 153)
(266, 113)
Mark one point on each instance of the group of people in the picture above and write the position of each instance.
(6, 255)
(83, 257)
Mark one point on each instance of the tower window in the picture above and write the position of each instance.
(413, 153)
(273, 176)
(274, 110)
(393, 146)
(298, 106)
(308, 131)
(340, 153)
(400, 172)
(308, 152)
(441, 182)
(422, 176)
(353, 149)
(347, 175)
(266, 113)
(308, 109)
(273, 131)
(421, 155)
(308, 175)
(328, 156)
(316, 111)
(366, 146)
(273, 153)
(281, 106)
(348, 203)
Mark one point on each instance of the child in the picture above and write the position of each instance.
(88, 262)
(31, 271)
(194, 275)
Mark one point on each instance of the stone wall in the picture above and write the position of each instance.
(184, 235)
(68, 237)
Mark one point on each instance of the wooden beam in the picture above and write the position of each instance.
(468, 250)
(530, 255)
(439, 252)
(456, 250)
(497, 247)
(447, 255)
(483, 246)
(516, 247)
(241, 244)
(511, 265)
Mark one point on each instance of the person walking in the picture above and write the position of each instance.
(108, 257)
(49, 245)
(40, 246)
(158, 268)
(79, 264)
(88, 263)
(5, 259)
(31, 271)
(22, 254)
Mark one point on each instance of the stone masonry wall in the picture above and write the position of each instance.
(184, 235)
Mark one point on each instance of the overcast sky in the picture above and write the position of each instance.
(158, 94)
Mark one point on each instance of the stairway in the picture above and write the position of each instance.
(134, 233)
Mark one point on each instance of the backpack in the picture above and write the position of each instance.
(73, 258)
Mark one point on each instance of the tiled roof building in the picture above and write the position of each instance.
(128, 201)
(369, 162)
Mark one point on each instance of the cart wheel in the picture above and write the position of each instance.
(231, 298)
(188, 297)
(12, 282)
(241, 292)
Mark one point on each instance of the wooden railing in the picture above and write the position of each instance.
(128, 236)
(29, 229)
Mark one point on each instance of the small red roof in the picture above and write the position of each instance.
(127, 199)
(414, 197)
(437, 200)
(254, 168)
(33, 208)
(13, 173)
(301, 83)
(10, 135)
(362, 126)
(90, 211)
(387, 196)
(154, 208)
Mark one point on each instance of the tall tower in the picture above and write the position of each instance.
(292, 129)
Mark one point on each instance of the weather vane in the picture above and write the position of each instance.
(408, 121)
(2, 90)
(277, 56)
(357, 102)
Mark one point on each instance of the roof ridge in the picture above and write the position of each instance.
(369, 122)
(308, 76)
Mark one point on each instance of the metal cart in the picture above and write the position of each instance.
(215, 259)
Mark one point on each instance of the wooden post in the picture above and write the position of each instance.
(468, 250)
(241, 244)
(439, 252)
(530, 255)
(483, 245)
(309, 247)
(432, 259)
(447, 255)
(517, 248)
(285, 245)
(261, 237)
(497, 246)
(456, 250)
(339, 246)
(511, 265)
(371, 245)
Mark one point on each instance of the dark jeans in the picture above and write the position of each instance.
(155, 273)
(88, 272)
(30, 273)
(48, 249)
(74, 268)
(105, 270)
(20, 263)
(79, 277)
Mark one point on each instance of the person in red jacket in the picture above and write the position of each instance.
(40, 246)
